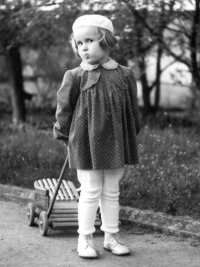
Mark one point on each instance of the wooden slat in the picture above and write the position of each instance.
(65, 215)
(51, 185)
(68, 190)
(67, 197)
(69, 211)
(36, 184)
(64, 192)
(65, 205)
(59, 191)
(48, 187)
(72, 219)
(73, 189)
(68, 215)
(41, 184)
(69, 225)
(63, 225)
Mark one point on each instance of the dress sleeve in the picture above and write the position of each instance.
(133, 94)
(67, 97)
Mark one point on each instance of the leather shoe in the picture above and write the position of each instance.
(113, 244)
(85, 247)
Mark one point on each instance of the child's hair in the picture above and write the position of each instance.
(106, 40)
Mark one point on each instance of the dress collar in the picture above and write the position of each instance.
(110, 64)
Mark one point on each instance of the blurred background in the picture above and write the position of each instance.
(160, 40)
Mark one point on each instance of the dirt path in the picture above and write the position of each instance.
(21, 246)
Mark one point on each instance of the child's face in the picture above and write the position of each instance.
(88, 45)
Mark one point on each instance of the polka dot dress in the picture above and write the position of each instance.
(97, 116)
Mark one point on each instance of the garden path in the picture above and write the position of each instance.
(22, 246)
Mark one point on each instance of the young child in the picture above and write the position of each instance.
(97, 117)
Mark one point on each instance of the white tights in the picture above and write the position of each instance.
(99, 186)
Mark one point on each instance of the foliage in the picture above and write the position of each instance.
(153, 27)
(182, 26)
(36, 23)
(30, 154)
(142, 27)
(167, 178)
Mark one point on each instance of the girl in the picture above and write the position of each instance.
(97, 117)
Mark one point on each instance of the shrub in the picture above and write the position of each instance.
(168, 176)
(30, 154)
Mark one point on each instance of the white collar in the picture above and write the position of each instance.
(110, 64)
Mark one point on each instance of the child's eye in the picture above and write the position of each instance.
(90, 41)
(79, 43)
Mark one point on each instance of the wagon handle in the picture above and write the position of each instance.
(64, 168)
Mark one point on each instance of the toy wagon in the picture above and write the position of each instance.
(55, 205)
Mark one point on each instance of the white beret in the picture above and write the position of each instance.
(93, 20)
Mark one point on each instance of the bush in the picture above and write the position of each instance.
(168, 176)
(30, 154)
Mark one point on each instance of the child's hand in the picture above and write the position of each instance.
(66, 144)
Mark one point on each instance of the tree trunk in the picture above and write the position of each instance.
(145, 88)
(17, 92)
(193, 45)
(158, 74)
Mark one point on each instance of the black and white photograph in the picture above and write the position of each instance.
(100, 133)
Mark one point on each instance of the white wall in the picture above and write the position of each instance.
(175, 84)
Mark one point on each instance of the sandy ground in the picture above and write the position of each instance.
(21, 245)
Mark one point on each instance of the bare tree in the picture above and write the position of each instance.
(184, 27)
(137, 41)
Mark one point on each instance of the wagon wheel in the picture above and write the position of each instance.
(43, 223)
(31, 214)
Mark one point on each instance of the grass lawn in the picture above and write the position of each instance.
(167, 178)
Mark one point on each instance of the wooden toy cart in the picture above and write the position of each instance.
(55, 205)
